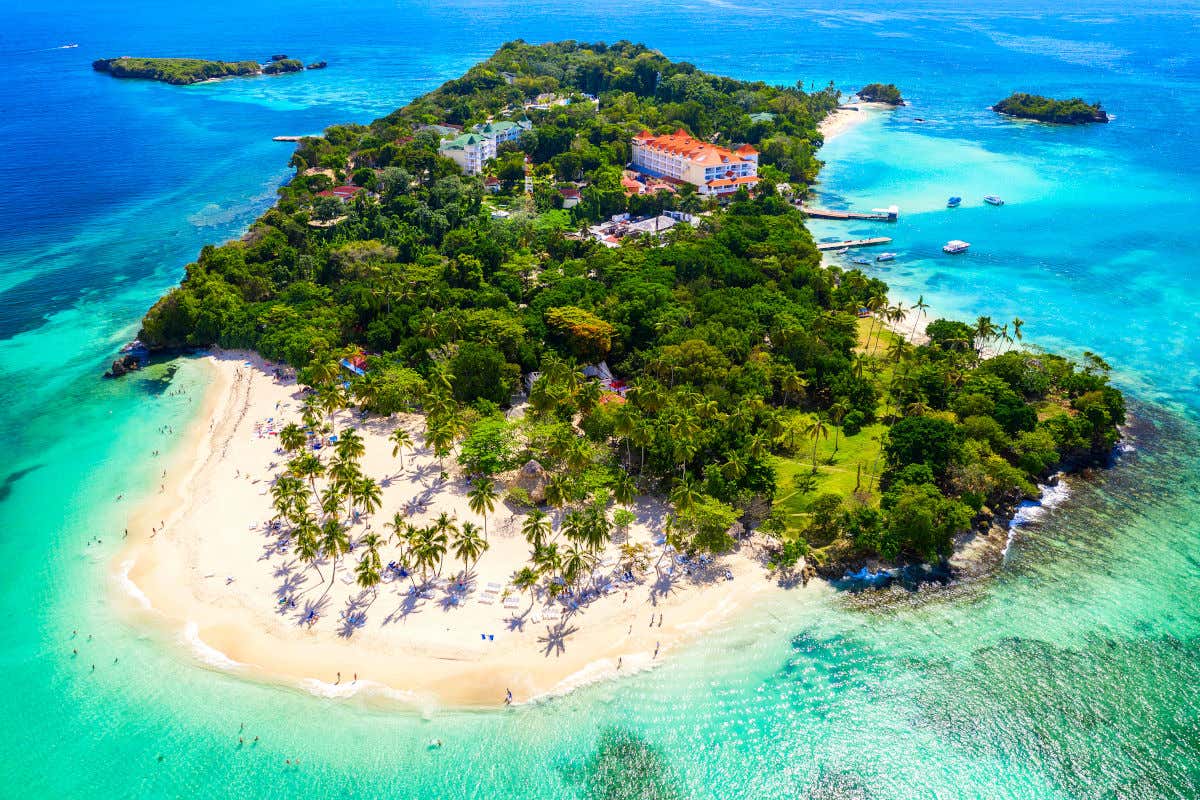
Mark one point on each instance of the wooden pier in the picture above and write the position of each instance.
(878, 215)
(853, 243)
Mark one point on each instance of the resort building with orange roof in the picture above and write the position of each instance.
(712, 169)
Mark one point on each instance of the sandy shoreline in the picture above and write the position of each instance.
(195, 568)
(843, 119)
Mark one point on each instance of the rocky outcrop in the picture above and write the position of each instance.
(123, 366)
(533, 479)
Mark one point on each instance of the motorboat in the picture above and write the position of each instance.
(954, 202)
(955, 246)
(886, 257)
(860, 260)
(993, 200)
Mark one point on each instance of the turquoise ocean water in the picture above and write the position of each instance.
(1070, 674)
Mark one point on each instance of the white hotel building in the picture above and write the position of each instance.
(713, 170)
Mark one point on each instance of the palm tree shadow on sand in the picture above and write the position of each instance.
(354, 615)
(555, 641)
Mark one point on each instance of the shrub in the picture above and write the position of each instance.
(853, 422)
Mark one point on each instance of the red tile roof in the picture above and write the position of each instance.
(680, 143)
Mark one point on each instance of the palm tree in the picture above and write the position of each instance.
(335, 543)
(685, 495)
(366, 389)
(324, 372)
(444, 524)
(400, 529)
(920, 309)
(369, 570)
(558, 490)
(624, 422)
(1017, 324)
(469, 545)
(573, 527)
(624, 489)
(579, 455)
(588, 396)
(837, 413)
(482, 499)
(292, 438)
(331, 399)
(596, 528)
(917, 408)
(536, 528)
(285, 494)
(642, 435)
(875, 304)
(734, 468)
(344, 471)
(331, 500)
(815, 430)
(367, 495)
(526, 580)
(760, 445)
(983, 332)
(575, 562)
(307, 466)
(440, 438)
(795, 384)
(430, 548)
(546, 559)
(308, 544)
(400, 439)
(350, 446)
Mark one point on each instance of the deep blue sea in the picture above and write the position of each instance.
(1072, 673)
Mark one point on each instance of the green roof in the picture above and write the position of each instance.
(496, 127)
(462, 142)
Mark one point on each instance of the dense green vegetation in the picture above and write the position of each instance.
(1046, 109)
(178, 71)
(182, 71)
(282, 65)
(743, 354)
(881, 93)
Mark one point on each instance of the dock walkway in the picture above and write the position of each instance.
(853, 243)
(878, 215)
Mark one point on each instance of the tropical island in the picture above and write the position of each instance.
(1046, 109)
(184, 71)
(881, 93)
(552, 344)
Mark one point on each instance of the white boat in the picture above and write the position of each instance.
(885, 257)
(955, 246)
(993, 200)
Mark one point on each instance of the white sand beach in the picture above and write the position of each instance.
(845, 119)
(202, 562)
